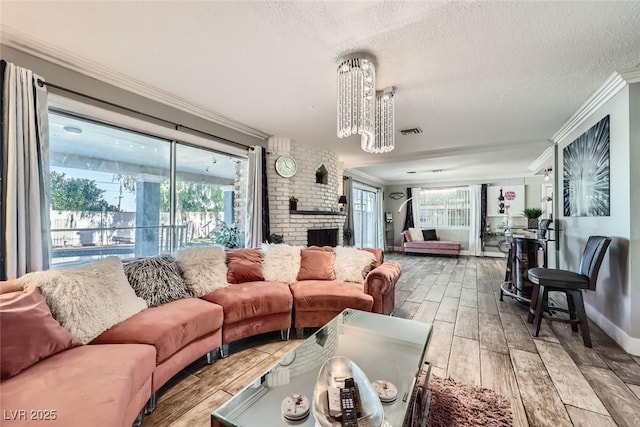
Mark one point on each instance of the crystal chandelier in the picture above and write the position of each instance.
(383, 141)
(356, 97)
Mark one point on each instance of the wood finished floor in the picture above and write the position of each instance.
(551, 380)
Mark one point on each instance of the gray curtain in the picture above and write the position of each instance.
(253, 237)
(25, 240)
(347, 233)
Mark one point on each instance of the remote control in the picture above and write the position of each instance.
(349, 417)
(350, 384)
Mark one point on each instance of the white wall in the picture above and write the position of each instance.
(85, 85)
(611, 304)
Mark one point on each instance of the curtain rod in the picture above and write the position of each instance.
(177, 126)
(345, 177)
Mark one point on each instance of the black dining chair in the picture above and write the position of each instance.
(572, 284)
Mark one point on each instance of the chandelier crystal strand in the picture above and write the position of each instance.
(384, 123)
(356, 86)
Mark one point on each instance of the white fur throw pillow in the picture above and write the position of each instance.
(352, 264)
(89, 299)
(416, 234)
(281, 263)
(204, 269)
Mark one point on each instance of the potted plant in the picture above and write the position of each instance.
(226, 236)
(532, 215)
(276, 238)
(347, 234)
(293, 203)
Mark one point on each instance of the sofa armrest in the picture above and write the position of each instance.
(380, 283)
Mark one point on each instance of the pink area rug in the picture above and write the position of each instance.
(457, 404)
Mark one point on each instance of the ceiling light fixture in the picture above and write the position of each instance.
(384, 129)
(356, 97)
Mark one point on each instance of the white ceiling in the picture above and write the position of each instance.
(488, 82)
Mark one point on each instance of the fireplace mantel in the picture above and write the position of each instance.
(317, 213)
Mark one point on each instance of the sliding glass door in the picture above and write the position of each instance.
(123, 193)
(365, 218)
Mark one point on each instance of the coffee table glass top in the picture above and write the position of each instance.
(384, 347)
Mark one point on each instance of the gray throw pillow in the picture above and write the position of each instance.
(157, 280)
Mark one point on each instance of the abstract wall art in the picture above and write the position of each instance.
(586, 175)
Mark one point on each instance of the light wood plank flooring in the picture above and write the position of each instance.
(551, 380)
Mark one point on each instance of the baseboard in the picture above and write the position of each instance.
(630, 344)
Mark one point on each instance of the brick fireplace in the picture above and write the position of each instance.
(317, 202)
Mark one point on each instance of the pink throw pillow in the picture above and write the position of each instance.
(317, 264)
(29, 332)
(244, 265)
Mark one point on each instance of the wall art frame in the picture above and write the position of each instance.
(586, 173)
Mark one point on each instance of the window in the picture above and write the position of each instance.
(112, 192)
(364, 218)
(447, 208)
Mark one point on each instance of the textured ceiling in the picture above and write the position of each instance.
(488, 82)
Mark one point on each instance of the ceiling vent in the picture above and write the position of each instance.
(411, 131)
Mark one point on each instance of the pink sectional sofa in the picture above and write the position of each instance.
(436, 247)
(180, 332)
(114, 379)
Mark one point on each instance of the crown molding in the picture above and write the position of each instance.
(617, 81)
(438, 153)
(542, 161)
(469, 180)
(58, 56)
(367, 178)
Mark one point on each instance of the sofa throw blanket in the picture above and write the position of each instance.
(89, 299)
(352, 264)
(204, 269)
(157, 280)
(281, 263)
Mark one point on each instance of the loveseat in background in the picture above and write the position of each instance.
(414, 242)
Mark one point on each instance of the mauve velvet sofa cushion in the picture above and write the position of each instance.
(244, 265)
(321, 295)
(90, 385)
(29, 332)
(168, 328)
(316, 264)
(252, 299)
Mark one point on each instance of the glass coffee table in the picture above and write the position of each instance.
(384, 347)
